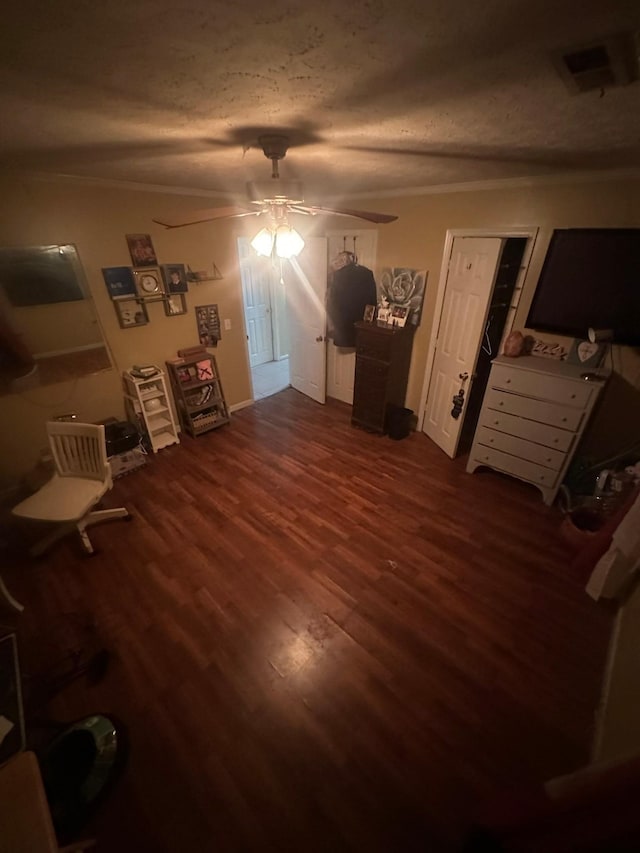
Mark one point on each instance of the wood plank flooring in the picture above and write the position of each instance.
(323, 640)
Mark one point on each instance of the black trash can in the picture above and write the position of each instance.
(398, 422)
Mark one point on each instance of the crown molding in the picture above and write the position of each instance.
(406, 192)
(108, 183)
(508, 183)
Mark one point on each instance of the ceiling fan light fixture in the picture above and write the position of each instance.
(263, 242)
(288, 242)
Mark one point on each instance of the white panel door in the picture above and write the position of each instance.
(473, 267)
(341, 362)
(305, 280)
(255, 273)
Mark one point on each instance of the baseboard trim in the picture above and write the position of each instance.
(243, 405)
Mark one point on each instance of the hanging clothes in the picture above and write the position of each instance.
(351, 288)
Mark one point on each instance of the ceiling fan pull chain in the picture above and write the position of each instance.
(355, 254)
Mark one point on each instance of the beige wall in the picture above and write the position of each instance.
(96, 220)
(417, 238)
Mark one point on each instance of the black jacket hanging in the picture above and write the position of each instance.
(350, 289)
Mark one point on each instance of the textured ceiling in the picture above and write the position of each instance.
(378, 95)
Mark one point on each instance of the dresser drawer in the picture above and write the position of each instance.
(536, 410)
(522, 468)
(372, 346)
(550, 436)
(544, 387)
(521, 447)
(372, 367)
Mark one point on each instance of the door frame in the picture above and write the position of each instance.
(531, 233)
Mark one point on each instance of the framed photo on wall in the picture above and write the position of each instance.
(208, 322)
(175, 304)
(130, 313)
(119, 281)
(175, 278)
(141, 250)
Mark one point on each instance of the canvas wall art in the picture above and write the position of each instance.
(404, 286)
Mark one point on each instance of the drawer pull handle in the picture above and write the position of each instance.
(507, 381)
(564, 420)
(555, 440)
(573, 396)
(501, 403)
(496, 422)
(549, 459)
(491, 440)
(542, 478)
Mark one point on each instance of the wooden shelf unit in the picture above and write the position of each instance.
(199, 398)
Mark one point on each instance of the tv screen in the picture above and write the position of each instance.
(590, 279)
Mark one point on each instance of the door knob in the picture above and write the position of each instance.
(319, 339)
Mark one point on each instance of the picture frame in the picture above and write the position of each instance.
(369, 313)
(120, 282)
(141, 250)
(398, 315)
(175, 304)
(149, 283)
(586, 353)
(131, 313)
(175, 278)
(208, 323)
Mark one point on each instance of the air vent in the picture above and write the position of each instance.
(601, 64)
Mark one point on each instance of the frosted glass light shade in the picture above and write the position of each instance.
(263, 242)
(288, 242)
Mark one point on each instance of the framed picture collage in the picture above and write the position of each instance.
(146, 280)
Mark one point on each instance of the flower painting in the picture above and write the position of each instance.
(404, 286)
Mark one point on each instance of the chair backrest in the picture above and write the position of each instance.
(79, 450)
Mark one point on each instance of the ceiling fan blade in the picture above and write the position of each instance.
(207, 215)
(313, 209)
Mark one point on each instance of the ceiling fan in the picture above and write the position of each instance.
(276, 197)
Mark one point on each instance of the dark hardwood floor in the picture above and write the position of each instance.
(323, 640)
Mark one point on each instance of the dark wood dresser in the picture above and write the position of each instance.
(383, 356)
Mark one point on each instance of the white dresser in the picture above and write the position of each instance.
(533, 414)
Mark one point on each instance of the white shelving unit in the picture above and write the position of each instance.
(148, 404)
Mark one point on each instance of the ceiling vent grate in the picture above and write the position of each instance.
(600, 64)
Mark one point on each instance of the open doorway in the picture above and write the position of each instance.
(266, 323)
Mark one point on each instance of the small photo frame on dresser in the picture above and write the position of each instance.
(586, 353)
(398, 315)
(369, 313)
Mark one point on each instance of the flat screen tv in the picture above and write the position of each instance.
(590, 279)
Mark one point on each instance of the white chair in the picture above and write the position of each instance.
(82, 477)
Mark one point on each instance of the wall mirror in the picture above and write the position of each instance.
(49, 330)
